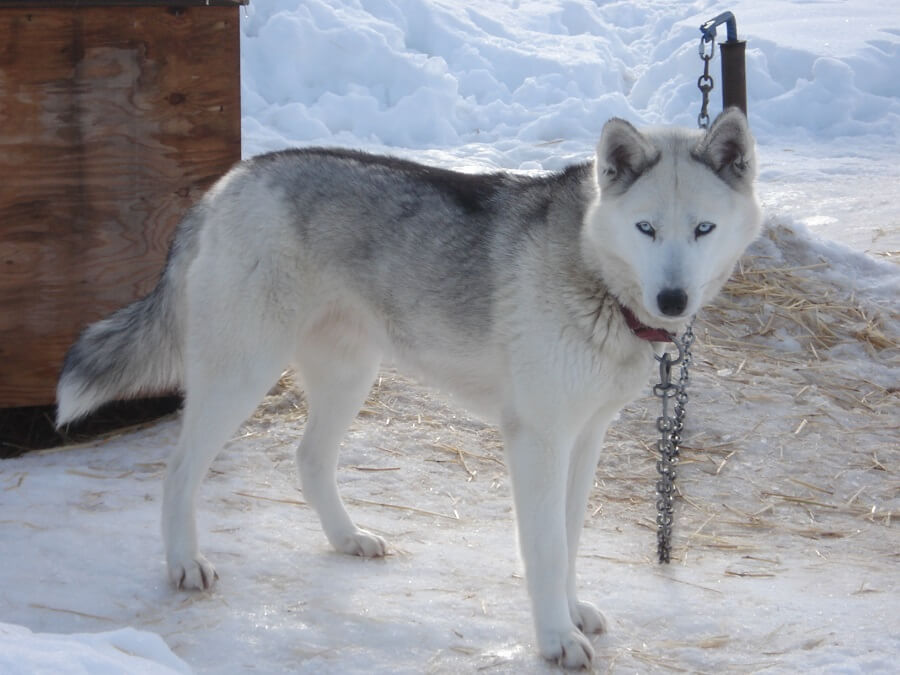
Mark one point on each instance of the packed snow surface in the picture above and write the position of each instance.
(787, 545)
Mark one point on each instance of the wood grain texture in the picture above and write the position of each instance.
(112, 123)
(41, 4)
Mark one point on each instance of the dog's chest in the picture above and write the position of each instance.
(619, 372)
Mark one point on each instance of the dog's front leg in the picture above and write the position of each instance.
(538, 466)
(582, 469)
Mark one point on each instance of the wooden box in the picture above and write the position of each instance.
(114, 118)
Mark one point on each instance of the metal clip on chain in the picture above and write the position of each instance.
(670, 428)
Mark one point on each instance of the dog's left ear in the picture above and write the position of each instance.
(728, 149)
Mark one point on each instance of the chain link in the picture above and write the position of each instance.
(705, 82)
(670, 428)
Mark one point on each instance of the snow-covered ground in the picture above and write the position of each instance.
(787, 548)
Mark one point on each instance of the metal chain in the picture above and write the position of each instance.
(670, 428)
(705, 82)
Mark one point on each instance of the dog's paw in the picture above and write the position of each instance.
(567, 648)
(588, 618)
(361, 543)
(197, 573)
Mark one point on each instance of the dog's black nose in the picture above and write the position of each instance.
(672, 301)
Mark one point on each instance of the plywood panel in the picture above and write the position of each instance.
(112, 123)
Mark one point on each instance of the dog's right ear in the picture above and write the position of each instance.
(623, 154)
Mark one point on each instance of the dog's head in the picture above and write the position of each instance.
(674, 211)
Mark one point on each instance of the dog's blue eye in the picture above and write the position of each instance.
(704, 228)
(646, 228)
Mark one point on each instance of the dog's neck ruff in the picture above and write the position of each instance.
(643, 331)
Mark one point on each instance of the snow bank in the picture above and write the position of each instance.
(516, 75)
(121, 651)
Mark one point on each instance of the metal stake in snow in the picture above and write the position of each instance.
(734, 71)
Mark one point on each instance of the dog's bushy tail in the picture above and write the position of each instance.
(135, 350)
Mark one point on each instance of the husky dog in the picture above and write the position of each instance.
(534, 299)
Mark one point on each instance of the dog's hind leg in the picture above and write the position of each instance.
(336, 379)
(223, 387)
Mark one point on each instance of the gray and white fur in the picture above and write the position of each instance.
(505, 290)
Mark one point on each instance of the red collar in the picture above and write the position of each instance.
(645, 332)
